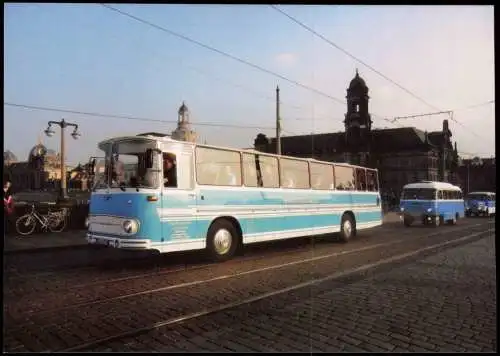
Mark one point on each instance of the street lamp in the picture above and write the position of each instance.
(75, 134)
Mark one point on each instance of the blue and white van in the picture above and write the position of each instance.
(480, 204)
(431, 203)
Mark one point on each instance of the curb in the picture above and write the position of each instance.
(33, 250)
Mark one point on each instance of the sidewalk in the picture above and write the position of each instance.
(76, 238)
(45, 241)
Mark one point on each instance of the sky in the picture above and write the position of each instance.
(87, 58)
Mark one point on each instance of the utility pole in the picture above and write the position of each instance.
(278, 122)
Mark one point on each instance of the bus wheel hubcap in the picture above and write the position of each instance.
(347, 228)
(222, 241)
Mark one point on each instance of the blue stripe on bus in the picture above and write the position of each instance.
(135, 205)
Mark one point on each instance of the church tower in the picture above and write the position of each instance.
(183, 131)
(357, 121)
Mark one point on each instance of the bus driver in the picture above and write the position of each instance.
(169, 171)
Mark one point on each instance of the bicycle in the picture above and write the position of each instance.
(52, 221)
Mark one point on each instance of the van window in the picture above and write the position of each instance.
(419, 194)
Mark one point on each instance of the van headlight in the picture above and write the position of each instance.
(429, 210)
(402, 209)
(130, 226)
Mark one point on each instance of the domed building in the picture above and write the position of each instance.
(9, 157)
(41, 170)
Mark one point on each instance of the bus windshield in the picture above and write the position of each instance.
(419, 194)
(476, 196)
(126, 165)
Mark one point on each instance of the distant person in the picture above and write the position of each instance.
(169, 171)
(8, 205)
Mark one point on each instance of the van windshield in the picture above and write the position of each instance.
(419, 194)
(478, 197)
(125, 165)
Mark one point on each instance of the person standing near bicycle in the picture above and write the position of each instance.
(8, 205)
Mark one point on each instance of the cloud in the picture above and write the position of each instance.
(287, 59)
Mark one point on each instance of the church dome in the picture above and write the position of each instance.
(358, 83)
(9, 156)
(183, 109)
(37, 151)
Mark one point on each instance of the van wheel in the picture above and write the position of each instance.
(222, 241)
(347, 228)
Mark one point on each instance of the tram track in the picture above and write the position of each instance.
(134, 314)
(256, 307)
(62, 280)
(208, 271)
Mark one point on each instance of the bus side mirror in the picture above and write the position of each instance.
(149, 158)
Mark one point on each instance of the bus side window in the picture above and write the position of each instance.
(360, 179)
(250, 170)
(371, 176)
(344, 177)
(440, 195)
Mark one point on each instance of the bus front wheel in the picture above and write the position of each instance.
(222, 240)
(347, 227)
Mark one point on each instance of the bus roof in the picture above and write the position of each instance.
(432, 185)
(487, 193)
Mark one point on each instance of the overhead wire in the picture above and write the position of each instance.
(125, 117)
(301, 24)
(223, 53)
(233, 57)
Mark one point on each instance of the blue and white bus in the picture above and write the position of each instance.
(480, 204)
(431, 203)
(223, 197)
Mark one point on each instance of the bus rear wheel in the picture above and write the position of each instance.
(222, 240)
(347, 227)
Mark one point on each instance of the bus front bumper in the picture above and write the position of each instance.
(115, 242)
(418, 216)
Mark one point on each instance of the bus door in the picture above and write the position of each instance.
(179, 199)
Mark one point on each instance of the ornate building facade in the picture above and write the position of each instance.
(41, 170)
(402, 155)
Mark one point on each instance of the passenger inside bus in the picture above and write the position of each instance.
(231, 177)
(169, 171)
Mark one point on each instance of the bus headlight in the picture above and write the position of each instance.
(130, 226)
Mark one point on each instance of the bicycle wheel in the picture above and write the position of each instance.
(26, 224)
(57, 223)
